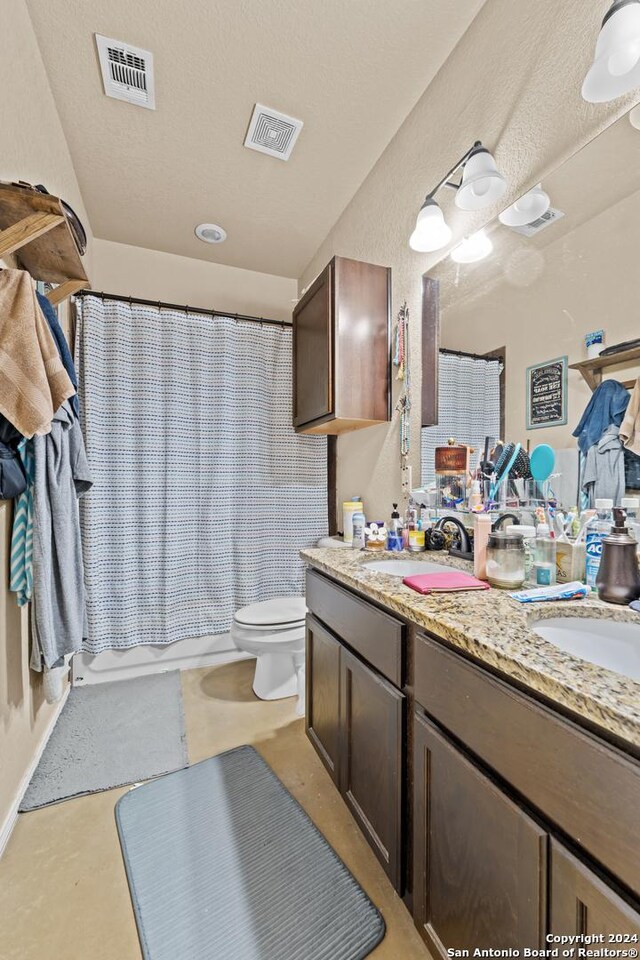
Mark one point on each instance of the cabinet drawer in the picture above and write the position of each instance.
(586, 787)
(375, 635)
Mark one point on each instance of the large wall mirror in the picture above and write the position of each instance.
(514, 363)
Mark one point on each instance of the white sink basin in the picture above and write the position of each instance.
(405, 568)
(607, 643)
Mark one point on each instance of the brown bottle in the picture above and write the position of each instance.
(618, 579)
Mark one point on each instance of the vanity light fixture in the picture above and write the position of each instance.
(210, 233)
(432, 232)
(481, 185)
(526, 209)
(473, 248)
(616, 67)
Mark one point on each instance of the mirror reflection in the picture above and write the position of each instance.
(540, 348)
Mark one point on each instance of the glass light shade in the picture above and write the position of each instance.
(482, 183)
(526, 209)
(432, 231)
(616, 67)
(473, 248)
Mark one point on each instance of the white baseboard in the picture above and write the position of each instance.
(10, 820)
(146, 659)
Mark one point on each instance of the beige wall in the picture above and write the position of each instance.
(137, 272)
(523, 101)
(544, 304)
(33, 148)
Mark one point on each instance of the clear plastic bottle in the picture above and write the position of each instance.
(597, 530)
(631, 505)
(359, 523)
(544, 568)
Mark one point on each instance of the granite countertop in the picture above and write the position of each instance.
(496, 629)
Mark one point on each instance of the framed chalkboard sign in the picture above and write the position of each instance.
(547, 394)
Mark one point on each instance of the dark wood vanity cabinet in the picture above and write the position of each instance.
(355, 716)
(497, 779)
(499, 820)
(341, 349)
(371, 762)
(479, 859)
(323, 694)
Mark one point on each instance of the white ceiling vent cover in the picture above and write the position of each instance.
(127, 72)
(272, 132)
(530, 229)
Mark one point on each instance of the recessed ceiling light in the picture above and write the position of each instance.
(210, 233)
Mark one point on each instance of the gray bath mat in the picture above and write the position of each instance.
(110, 734)
(223, 863)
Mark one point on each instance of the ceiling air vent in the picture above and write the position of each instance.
(127, 72)
(272, 132)
(530, 229)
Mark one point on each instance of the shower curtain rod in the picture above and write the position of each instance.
(161, 304)
(473, 356)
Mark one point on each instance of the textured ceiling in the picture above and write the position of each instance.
(350, 69)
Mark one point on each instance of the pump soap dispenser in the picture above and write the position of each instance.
(618, 579)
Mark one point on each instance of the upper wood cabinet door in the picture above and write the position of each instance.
(479, 860)
(582, 903)
(322, 718)
(371, 767)
(341, 349)
(313, 352)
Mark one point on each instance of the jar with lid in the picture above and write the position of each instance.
(505, 561)
(528, 537)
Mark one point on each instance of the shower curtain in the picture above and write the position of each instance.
(203, 494)
(469, 407)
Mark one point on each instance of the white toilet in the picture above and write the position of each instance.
(274, 632)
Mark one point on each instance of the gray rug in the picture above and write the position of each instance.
(223, 863)
(110, 734)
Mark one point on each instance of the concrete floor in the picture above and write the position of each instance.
(63, 892)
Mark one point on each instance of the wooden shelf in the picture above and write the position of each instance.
(33, 226)
(591, 370)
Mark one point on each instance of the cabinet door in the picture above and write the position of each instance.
(312, 352)
(582, 903)
(371, 721)
(479, 860)
(322, 718)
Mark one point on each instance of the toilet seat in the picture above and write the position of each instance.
(280, 612)
(290, 633)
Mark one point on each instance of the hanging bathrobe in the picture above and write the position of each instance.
(61, 476)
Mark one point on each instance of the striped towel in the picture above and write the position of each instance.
(21, 578)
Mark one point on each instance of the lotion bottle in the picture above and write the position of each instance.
(481, 531)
